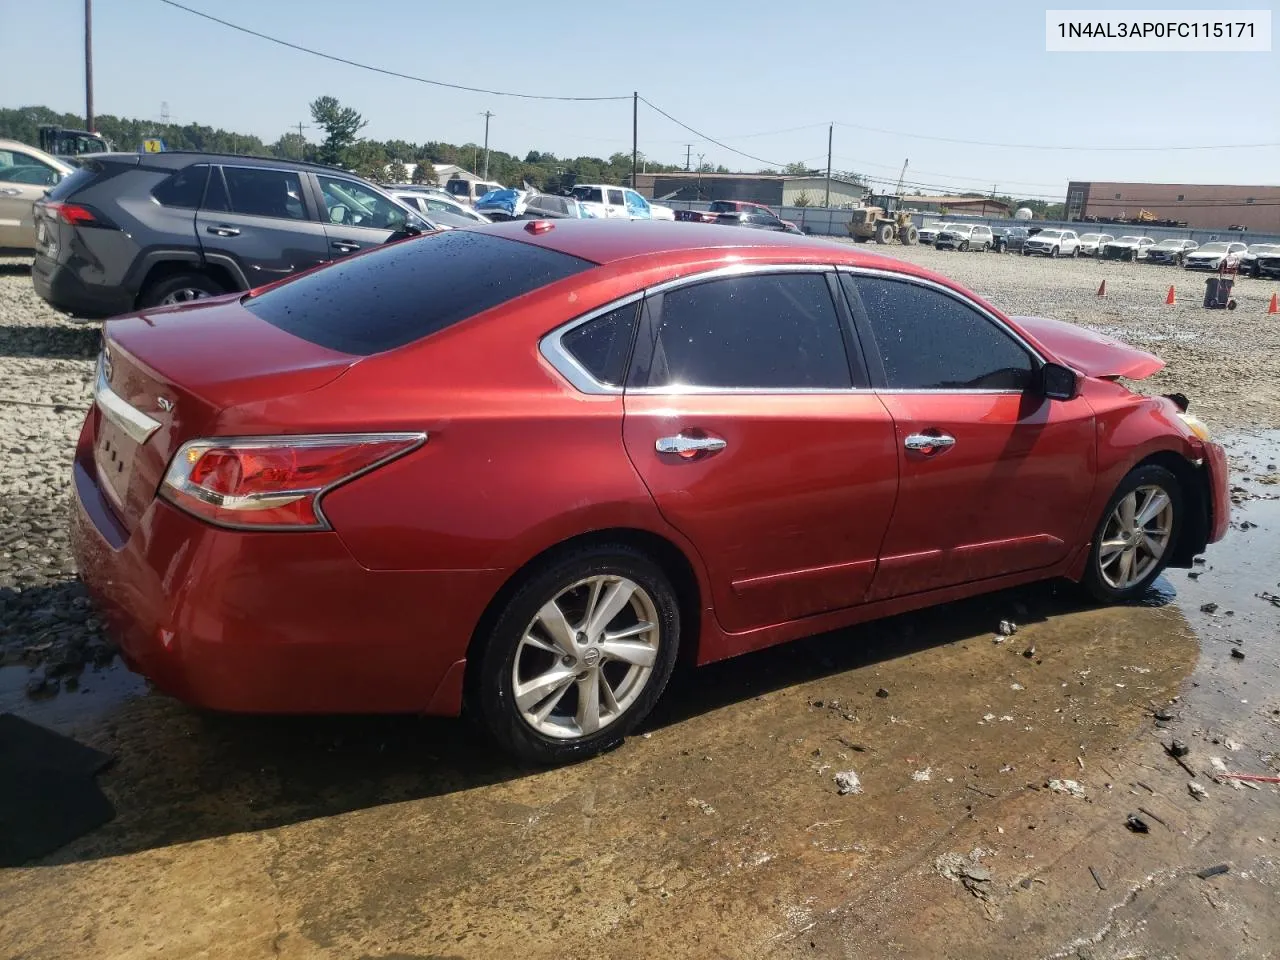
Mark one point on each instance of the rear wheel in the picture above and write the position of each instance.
(1135, 539)
(884, 233)
(1075, 252)
(179, 288)
(579, 654)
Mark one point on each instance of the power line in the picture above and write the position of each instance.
(1037, 146)
(698, 133)
(382, 70)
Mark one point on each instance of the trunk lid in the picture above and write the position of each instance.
(167, 375)
(1088, 352)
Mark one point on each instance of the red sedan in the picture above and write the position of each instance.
(513, 470)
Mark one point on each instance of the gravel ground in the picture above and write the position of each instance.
(1228, 363)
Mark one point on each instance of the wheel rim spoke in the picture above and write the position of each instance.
(551, 618)
(1156, 502)
(609, 606)
(588, 715)
(635, 652)
(553, 701)
(533, 692)
(1125, 572)
(1127, 508)
(1109, 549)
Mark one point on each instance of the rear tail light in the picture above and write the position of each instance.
(274, 482)
(77, 214)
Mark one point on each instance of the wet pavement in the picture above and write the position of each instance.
(720, 831)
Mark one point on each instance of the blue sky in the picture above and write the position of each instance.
(748, 74)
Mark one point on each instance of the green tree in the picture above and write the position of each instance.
(340, 125)
(797, 169)
(397, 172)
(291, 146)
(424, 172)
(803, 200)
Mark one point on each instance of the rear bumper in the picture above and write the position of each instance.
(59, 286)
(272, 622)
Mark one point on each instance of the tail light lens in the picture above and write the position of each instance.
(76, 214)
(274, 482)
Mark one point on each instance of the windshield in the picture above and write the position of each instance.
(1129, 240)
(459, 188)
(1264, 247)
(1090, 237)
(1170, 244)
(588, 194)
(1213, 248)
(958, 228)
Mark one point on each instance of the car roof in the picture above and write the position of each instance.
(611, 241)
(37, 152)
(173, 159)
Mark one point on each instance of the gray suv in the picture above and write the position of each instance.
(128, 230)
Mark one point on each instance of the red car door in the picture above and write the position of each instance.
(994, 476)
(743, 418)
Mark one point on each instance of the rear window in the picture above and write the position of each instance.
(78, 179)
(409, 290)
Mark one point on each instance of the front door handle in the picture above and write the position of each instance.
(223, 230)
(688, 447)
(929, 443)
(346, 246)
(10, 192)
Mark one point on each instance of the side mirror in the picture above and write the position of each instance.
(1058, 382)
(415, 226)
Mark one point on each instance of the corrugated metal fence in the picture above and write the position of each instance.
(834, 222)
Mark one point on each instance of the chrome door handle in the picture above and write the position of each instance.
(346, 246)
(689, 447)
(10, 192)
(929, 443)
(222, 230)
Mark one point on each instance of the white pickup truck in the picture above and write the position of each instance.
(619, 203)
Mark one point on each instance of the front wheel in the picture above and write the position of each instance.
(179, 289)
(1136, 537)
(1075, 253)
(1053, 254)
(964, 246)
(579, 654)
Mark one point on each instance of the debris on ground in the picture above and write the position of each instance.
(1271, 598)
(702, 805)
(967, 871)
(882, 693)
(1237, 653)
(920, 776)
(1251, 778)
(1209, 607)
(1072, 787)
(847, 782)
(1197, 790)
(1136, 824)
(1217, 871)
(1029, 652)
(1153, 816)
(1097, 879)
(1178, 749)
(1007, 628)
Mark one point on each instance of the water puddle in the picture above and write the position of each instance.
(98, 693)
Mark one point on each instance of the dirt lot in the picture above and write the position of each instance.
(718, 832)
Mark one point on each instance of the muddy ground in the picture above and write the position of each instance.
(719, 831)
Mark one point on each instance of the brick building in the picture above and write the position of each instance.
(1205, 206)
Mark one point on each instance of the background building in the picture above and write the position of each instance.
(775, 190)
(1207, 206)
(974, 206)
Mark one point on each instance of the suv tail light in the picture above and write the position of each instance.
(274, 482)
(77, 214)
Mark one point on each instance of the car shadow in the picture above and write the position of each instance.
(184, 775)
(15, 269)
(50, 343)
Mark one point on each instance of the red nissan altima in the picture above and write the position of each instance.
(515, 470)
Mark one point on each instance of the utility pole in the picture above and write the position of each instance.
(830, 132)
(486, 116)
(88, 65)
(302, 142)
(688, 152)
(635, 134)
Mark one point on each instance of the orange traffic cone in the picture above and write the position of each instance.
(1274, 306)
(1171, 299)
(1102, 289)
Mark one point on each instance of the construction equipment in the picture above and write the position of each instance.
(882, 221)
(71, 143)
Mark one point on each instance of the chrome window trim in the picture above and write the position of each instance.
(136, 425)
(947, 291)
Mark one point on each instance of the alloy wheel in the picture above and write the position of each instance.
(586, 657)
(184, 295)
(1135, 536)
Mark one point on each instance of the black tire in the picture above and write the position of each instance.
(985, 247)
(1150, 475)
(1053, 253)
(1026, 253)
(964, 246)
(1075, 253)
(910, 236)
(172, 286)
(491, 696)
(884, 233)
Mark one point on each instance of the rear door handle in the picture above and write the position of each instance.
(346, 246)
(688, 447)
(223, 230)
(9, 192)
(929, 443)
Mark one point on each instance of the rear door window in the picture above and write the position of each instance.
(185, 188)
(615, 198)
(262, 192)
(763, 332)
(405, 291)
(602, 345)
